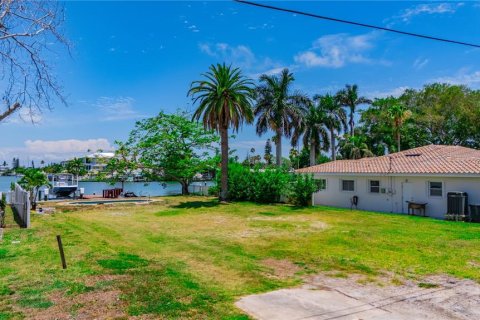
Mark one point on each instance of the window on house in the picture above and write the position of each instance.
(322, 183)
(435, 189)
(348, 185)
(374, 186)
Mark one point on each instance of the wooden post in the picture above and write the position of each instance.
(62, 254)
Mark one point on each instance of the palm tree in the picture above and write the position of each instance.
(399, 114)
(355, 148)
(349, 98)
(31, 181)
(335, 117)
(278, 108)
(314, 131)
(225, 101)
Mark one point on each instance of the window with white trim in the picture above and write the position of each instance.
(435, 189)
(374, 186)
(322, 184)
(348, 185)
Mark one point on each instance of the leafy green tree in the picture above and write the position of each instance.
(122, 165)
(32, 179)
(354, 148)
(278, 108)
(168, 146)
(224, 102)
(76, 167)
(268, 153)
(398, 114)
(314, 132)
(299, 159)
(53, 168)
(335, 118)
(444, 114)
(350, 99)
(376, 126)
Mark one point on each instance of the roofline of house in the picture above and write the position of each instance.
(377, 174)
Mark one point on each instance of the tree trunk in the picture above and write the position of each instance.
(185, 191)
(278, 148)
(224, 164)
(398, 140)
(352, 124)
(332, 144)
(312, 153)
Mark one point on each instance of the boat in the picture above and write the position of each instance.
(62, 185)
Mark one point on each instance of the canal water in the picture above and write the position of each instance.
(151, 189)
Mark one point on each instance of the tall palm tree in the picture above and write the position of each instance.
(335, 117)
(225, 102)
(278, 108)
(314, 132)
(355, 148)
(349, 98)
(398, 114)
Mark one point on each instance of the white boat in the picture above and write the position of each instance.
(63, 184)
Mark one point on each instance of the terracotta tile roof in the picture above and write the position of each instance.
(431, 159)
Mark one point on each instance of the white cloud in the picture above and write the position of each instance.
(395, 92)
(463, 77)
(240, 56)
(54, 150)
(419, 63)
(427, 9)
(120, 108)
(337, 50)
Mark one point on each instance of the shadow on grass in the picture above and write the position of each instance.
(197, 204)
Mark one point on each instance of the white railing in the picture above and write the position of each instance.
(20, 203)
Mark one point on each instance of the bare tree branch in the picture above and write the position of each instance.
(30, 31)
(9, 111)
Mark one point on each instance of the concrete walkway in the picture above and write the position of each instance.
(325, 298)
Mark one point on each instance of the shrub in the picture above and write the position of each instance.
(257, 185)
(3, 205)
(301, 188)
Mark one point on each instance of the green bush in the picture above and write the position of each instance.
(255, 184)
(301, 188)
(3, 205)
(267, 185)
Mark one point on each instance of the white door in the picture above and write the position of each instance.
(407, 195)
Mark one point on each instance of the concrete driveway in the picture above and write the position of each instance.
(332, 298)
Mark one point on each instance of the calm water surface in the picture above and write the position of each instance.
(139, 188)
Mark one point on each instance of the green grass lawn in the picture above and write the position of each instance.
(190, 257)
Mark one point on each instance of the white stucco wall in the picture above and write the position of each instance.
(395, 201)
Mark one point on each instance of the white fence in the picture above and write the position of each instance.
(20, 203)
(199, 190)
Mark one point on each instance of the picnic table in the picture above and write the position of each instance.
(412, 206)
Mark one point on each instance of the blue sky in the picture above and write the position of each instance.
(132, 59)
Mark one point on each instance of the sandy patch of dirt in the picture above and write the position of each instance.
(281, 268)
(102, 303)
(90, 305)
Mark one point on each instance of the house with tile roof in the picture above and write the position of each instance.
(388, 183)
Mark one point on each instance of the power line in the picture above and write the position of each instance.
(365, 25)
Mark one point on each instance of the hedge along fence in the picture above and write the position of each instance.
(20, 203)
